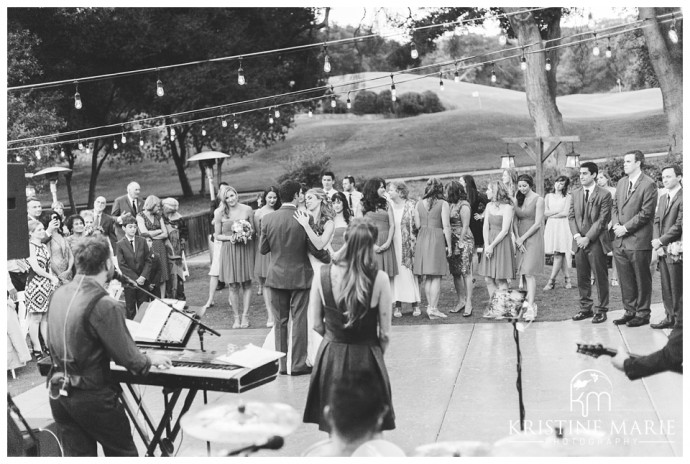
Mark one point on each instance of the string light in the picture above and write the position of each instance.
(38, 154)
(493, 73)
(394, 93)
(115, 144)
(595, 50)
(311, 112)
(240, 74)
(672, 33)
(124, 138)
(277, 112)
(440, 82)
(456, 77)
(62, 152)
(88, 149)
(349, 103)
(18, 158)
(608, 49)
(414, 54)
(141, 141)
(548, 64)
(159, 86)
(203, 131)
(81, 146)
(502, 39)
(270, 117)
(333, 103)
(172, 132)
(326, 63)
(523, 61)
(235, 124)
(77, 97)
(224, 123)
(590, 21)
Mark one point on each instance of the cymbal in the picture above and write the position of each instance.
(453, 449)
(241, 423)
(580, 442)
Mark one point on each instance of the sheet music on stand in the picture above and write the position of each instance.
(159, 325)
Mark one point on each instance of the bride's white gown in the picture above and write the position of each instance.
(313, 338)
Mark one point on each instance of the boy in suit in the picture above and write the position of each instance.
(590, 212)
(668, 228)
(134, 259)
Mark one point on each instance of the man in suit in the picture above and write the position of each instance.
(104, 221)
(289, 276)
(632, 217)
(134, 259)
(668, 228)
(327, 180)
(126, 205)
(353, 196)
(590, 212)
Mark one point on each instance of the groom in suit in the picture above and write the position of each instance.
(289, 276)
(632, 217)
(590, 212)
(668, 228)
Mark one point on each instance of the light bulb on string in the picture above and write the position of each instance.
(595, 50)
(159, 86)
(394, 93)
(141, 141)
(672, 33)
(18, 158)
(523, 61)
(277, 113)
(326, 63)
(235, 124)
(456, 76)
(240, 74)
(123, 139)
(502, 39)
(224, 122)
(440, 82)
(62, 152)
(38, 154)
(88, 149)
(548, 64)
(414, 54)
(348, 103)
(203, 131)
(172, 138)
(81, 146)
(333, 103)
(270, 117)
(77, 98)
(608, 49)
(590, 21)
(493, 74)
(172, 132)
(115, 144)
(311, 112)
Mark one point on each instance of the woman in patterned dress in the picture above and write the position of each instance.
(374, 205)
(432, 217)
(558, 239)
(478, 203)
(271, 202)
(236, 257)
(61, 257)
(462, 245)
(151, 225)
(405, 288)
(40, 287)
(529, 239)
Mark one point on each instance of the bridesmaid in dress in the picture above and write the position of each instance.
(271, 202)
(340, 222)
(236, 258)
(529, 239)
(432, 218)
(151, 225)
(375, 206)
(462, 244)
(558, 239)
(405, 287)
(498, 262)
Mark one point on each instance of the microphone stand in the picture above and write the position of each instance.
(196, 319)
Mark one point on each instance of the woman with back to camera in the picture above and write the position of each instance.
(151, 225)
(432, 218)
(558, 239)
(341, 220)
(604, 181)
(462, 246)
(405, 287)
(233, 228)
(478, 203)
(350, 301)
(529, 239)
(374, 206)
(498, 261)
(271, 202)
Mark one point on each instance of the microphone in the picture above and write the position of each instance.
(273, 443)
(123, 279)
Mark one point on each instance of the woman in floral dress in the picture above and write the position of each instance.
(462, 245)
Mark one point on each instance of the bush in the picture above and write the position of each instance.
(384, 104)
(652, 167)
(306, 164)
(409, 104)
(432, 104)
(364, 102)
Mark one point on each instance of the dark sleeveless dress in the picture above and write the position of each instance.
(342, 350)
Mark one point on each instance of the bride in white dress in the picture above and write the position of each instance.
(319, 207)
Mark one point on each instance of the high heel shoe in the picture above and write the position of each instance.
(568, 283)
(236, 325)
(245, 322)
(549, 285)
(457, 309)
(467, 313)
(434, 313)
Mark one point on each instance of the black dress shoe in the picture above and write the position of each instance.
(599, 318)
(623, 320)
(637, 322)
(663, 325)
(583, 315)
(307, 371)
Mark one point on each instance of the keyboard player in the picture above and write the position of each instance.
(86, 329)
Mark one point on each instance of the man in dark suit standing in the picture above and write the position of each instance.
(289, 276)
(104, 221)
(134, 260)
(668, 228)
(590, 212)
(126, 205)
(632, 216)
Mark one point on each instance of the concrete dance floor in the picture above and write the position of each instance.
(457, 383)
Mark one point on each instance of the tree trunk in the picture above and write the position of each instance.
(68, 180)
(96, 166)
(667, 61)
(540, 85)
(180, 159)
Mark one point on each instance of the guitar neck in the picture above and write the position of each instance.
(600, 350)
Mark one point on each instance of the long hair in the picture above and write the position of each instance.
(566, 184)
(512, 186)
(223, 205)
(433, 191)
(347, 212)
(519, 196)
(326, 210)
(371, 201)
(501, 194)
(455, 192)
(471, 188)
(360, 270)
(273, 189)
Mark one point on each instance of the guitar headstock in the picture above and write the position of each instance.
(595, 350)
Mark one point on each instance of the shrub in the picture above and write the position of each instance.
(651, 166)
(384, 104)
(409, 104)
(306, 163)
(432, 104)
(364, 102)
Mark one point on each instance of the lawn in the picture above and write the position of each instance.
(464, 138)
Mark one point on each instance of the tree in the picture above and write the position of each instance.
(667, 60)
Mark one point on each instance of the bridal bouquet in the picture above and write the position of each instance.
(675, 251)
(241, 232)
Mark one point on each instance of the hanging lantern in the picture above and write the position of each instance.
(572, 159)
(507, 160)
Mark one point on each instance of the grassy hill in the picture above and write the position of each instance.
(465, 137)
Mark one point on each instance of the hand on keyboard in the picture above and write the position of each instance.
(160, 361)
